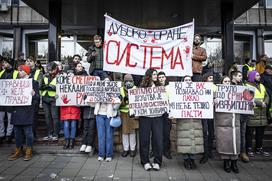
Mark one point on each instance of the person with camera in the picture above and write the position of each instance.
(95, 58)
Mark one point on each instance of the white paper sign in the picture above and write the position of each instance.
(15, 92)
(128, 49)
(191, 100)
(234, 99)
(149, 101)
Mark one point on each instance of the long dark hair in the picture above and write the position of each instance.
(147, 79)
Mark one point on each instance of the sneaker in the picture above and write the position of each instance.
(260, 151)
(156, 166)
(250, 152)
(54, 138)
(46, 138)
(125, 153)
(100, 159)
(108, 159)
(83, 148)
(88, 149)
(147, 167)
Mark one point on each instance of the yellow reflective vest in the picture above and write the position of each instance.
(124, 108)
(53, 83)
(14, 76)
(249, 68)
(259, 94)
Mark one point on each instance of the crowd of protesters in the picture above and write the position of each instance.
(233, 132)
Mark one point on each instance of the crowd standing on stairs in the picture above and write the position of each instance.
(232, 132)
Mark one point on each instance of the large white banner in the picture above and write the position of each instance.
(128, 49)
(81, 90)
(15, 92)
(191, 100)
(148, 101)
(234, 99)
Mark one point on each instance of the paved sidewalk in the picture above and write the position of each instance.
(74, 166)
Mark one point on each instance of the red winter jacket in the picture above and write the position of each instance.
(69, 113)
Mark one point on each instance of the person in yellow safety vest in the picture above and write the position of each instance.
(8, 72)
(129, 123)
(258, 121)
(249, 66)
(37, 75)
(48, 92)
(266, 80)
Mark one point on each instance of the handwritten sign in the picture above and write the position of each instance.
(82, 90)
(234, 99)
(148, 101)
(128, 49)
(191, 100)
(15, 92)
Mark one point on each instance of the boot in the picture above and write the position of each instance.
(125, 153)
(28, 154)
(244, 157)
(187, 164)
(17, 154)
(227, 166)
(234, 166)
(72, 144)
(192, 164)
(67, 144)
(204, 159)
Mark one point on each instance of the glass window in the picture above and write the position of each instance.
(268, 47)
(7, 47)
(269, 3)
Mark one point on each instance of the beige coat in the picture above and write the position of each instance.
(189, 136)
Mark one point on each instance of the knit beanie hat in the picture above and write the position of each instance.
(9, 61)
(24, 68)
(251, 76)
(128, 77)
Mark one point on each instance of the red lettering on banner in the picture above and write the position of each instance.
(191, 114)
(79, 98)
(174, 55)
(200, 85)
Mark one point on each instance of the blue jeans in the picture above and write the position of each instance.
(19, 130)
(105, 136)
(70, 125)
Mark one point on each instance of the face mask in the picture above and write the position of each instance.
(129, 85)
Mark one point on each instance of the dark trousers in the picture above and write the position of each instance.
(36, 116)
(259, 135)
(148, 126)
(167, 125)
(208, 135)
(23, 130)
(89, 132)
(51, 112)
(243, 122)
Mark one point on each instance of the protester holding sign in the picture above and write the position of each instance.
(104, 112)
(48, 91)
(22, 118)
(208, 127)
(189, 138)
(227, 126)
(7, 73)
(129, 123)
(167, 123)
(151, 124)
(258, 121)
(87, 112)
(70, 116)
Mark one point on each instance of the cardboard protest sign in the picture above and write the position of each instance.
(16, 92)
(191, 100)
(72, 90)
(128, 49)
(234, 99)
(148, 101)
(81, 90)
(103, 91)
